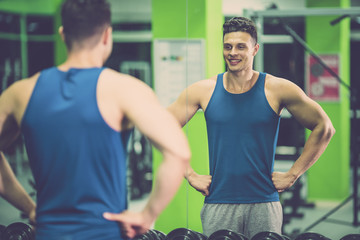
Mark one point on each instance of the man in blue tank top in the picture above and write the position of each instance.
(75, 119)
(242, 109)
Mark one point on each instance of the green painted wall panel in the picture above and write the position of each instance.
(46, 7)
(214, 39)
(184, 210)
(204, 21)
(168, 19)
(329, 178)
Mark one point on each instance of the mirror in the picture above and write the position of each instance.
(167, 45)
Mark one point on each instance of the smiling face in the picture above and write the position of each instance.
(239, 51)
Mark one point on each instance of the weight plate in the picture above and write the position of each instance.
(18, 231)
(2, 228)
(160, 235)
(267, 236)
(182, 234)
(311, 236)
(226, 235)
(351, 237)
(201, 236)
(147, 236)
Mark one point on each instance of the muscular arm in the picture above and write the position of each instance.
(9, 129)
(13, 192)
(166, 135)
(186, 105)
(311, 116)
(193, 98)
(13, 103)
(10, 188)
(141, 107)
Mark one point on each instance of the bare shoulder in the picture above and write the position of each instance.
(115, 78)
(21, 90)
(281, 87)
(15, 98)
(124, 87)
(273, 81)
(285, 93)
(24, 84)
(203, 86)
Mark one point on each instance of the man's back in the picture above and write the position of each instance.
(77, 159)
(113, 103)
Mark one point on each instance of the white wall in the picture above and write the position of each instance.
(235, 7)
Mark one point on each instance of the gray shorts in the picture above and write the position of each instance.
(248, 219)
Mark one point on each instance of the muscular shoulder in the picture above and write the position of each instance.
(14, 99)
(23, 84)
(123, 86)
(282, 90)
(202, 87)
(116, 83)
(21, 90)
(273, 82)
(112, 77)
(199, 93)
(119, 95)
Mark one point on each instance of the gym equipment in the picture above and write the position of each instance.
(311, 236)
(2, 227)
(351, 237)
(151, 235)
(140, 165)
(18, 231)
(161, 235)
(267, 236)
(225, 234)
(184, 234)
(286, 237)
(201, 236)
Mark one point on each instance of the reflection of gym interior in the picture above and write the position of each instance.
(315, 44)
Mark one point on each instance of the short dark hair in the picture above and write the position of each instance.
(240, 24)
(82, 19)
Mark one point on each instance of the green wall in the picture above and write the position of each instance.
(38, 7)
(199, 19)
(46, 7)
(329, 178)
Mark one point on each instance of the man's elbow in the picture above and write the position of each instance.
(185, 157)
(329, 130)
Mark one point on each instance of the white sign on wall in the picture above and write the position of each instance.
(177, 64)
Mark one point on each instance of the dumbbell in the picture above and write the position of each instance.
(225, 234)
(161, 235)
(184, 234)
(152, 234)
(351, 237)
(311, 236)
(17, 231)
(2, 227)
(269, 236)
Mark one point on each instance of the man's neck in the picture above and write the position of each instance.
(82, 59)
(240, 81)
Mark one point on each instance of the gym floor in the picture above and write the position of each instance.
(336, 226)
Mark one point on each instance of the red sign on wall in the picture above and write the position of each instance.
(320, 84)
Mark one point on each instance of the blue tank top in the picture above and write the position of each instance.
(242, 135)
(78, 161)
